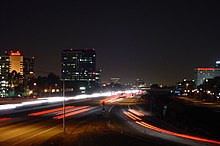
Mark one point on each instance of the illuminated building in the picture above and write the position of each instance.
(10, 63)
(115, 80)
(203, 74)
(16, 62)
(217, 64)
(28, 65)
(79, 69)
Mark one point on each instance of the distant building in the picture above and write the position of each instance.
(115, 80)
(28, 65)
(213, 85)
(16, 63)
(217, 64)
(185, 85)
(140, 84)
(203, 74)
(79, 70)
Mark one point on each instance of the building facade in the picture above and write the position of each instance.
(78, 70)
(203, 74)
(28, 65)
(14, 71)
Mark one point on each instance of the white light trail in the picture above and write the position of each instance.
(60, 99)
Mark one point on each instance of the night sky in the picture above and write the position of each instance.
(158, 41)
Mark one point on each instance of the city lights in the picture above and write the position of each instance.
(113, 73)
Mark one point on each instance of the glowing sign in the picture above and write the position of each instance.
(82, 88)
(205, 69)
(15, 53)
(217, 62)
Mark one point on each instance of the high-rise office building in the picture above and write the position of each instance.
(203, 74)
(79, 70)
(28, 65)
(14, 62)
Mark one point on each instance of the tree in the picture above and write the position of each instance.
(15, 83)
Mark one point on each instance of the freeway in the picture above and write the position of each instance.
(115, 120)
(142, 125)
(24, 128)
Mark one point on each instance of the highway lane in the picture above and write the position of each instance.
(139, 126)
(34, 130)
(22, 129)
(35, 125)
(128, 127)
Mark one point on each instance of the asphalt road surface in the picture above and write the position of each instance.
(90, 122)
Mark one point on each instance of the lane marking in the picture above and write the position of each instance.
(36, 134)
(111, 108)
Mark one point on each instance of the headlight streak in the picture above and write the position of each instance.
(113, 98)
(109, 99)
(60, 99)
(7, 106)
(146, 125)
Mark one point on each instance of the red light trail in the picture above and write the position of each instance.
(146, 125)
(70, 114)
(71, 110)
(49, 111)
(4, 119)
(136, 112)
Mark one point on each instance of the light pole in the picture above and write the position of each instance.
(63, 107)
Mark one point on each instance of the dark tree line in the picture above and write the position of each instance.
(22, 85)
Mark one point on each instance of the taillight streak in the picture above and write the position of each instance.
(136, 112)
(176, 134)
(71, 110)
(4, 119)
(49, 111)
(132, 116)
(70, 114)
(146, 125)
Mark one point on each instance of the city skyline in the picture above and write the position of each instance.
(113, 72)
(160, 42)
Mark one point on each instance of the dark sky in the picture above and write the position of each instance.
(158, 41)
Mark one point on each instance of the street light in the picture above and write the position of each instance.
(63, 107)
